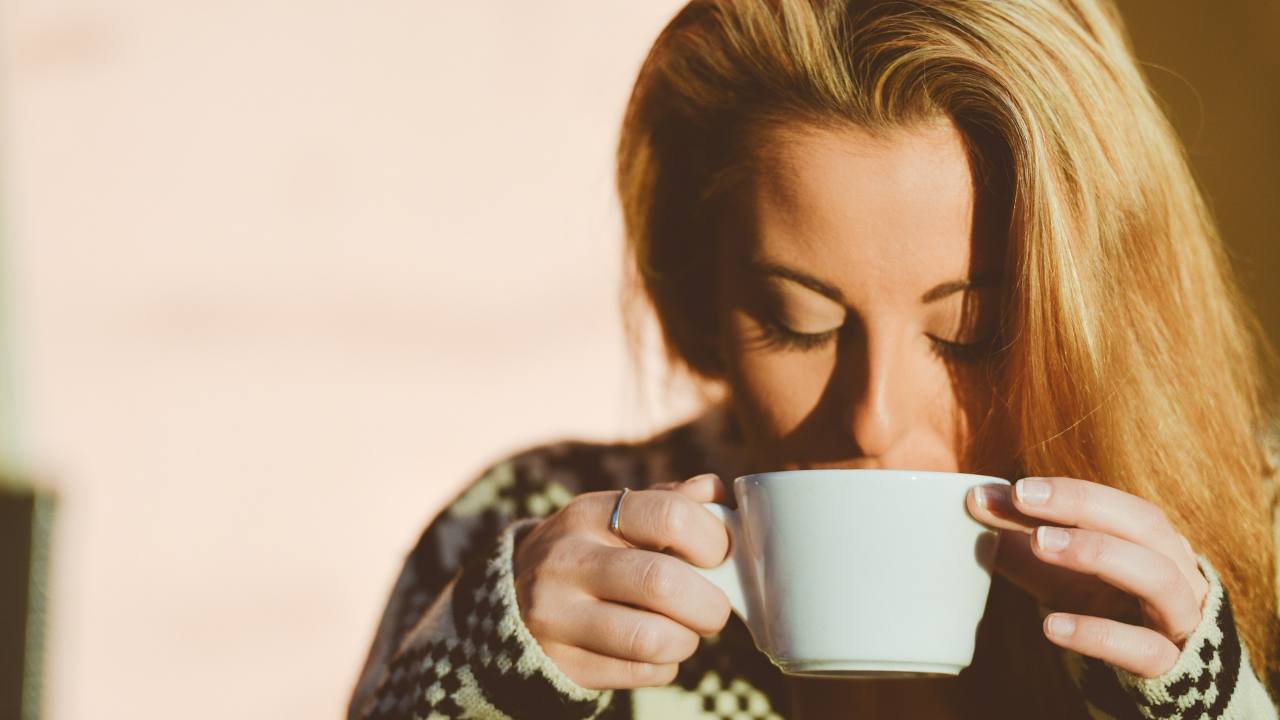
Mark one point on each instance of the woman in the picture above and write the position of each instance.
(944, 235)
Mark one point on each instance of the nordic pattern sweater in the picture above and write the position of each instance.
(451, 642)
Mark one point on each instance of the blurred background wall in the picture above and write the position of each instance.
(1217, 68)
(279, 277)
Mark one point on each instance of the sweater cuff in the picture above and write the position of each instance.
(1212, 677)
(509, 664)
(1204, 681)
(533, 664)
(474, 657)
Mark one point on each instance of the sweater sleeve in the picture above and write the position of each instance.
(451, 642)
(1212, 678)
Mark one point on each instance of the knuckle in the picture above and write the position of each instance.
(647, 674)
(1170, 583)
(574, 512)
(644, 642)
(674, 517)
(580, 552)
(1153, 519)
(639, 673)
(653, 674)
(657, 581)
(563, 557)
(1090, 549)
(538, 612)
(584, 511)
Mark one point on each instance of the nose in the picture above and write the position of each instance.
(881, 403)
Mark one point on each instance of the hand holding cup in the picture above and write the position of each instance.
(623, 612)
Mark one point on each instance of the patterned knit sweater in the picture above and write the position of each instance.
(452, 644)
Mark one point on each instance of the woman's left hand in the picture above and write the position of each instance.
(1125, 582)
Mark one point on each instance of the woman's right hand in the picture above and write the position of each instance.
(612, 616)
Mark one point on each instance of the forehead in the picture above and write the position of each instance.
(861, 210)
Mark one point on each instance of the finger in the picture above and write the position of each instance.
(992, 505)
(658, 520)
(694, 481)
(1093, 506)
(1060, 587)
(659, 583)
(600, 672)
(1017, 561)
(1155, 580)
(1142, 651)
(627, 633)
(1186, 545)
(703, 488)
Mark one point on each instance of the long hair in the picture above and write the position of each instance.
(1130, 357)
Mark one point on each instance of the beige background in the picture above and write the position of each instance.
(282, 275)
(286, 274)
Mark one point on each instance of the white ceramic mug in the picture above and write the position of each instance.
(858, 573)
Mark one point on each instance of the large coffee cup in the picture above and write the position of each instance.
(858, 573)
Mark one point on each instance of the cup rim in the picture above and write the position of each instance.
(896, 474)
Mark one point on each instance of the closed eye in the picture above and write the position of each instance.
(780, 337)
(962, 352)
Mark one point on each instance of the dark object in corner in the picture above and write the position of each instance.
(25, 516)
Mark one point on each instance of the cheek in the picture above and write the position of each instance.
(926, 392)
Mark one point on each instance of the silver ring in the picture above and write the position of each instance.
(615, 520)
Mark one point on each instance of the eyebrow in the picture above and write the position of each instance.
(946, 289)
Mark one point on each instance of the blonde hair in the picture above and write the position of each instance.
(1131, 358)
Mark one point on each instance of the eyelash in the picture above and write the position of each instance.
(780, 337)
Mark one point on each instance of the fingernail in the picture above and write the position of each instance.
(992, 497)
(696, 478)
(1061, 625)
(1051, 538)
(1032, 491)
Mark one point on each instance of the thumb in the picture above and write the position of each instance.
(703, 488)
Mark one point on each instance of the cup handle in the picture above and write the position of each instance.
(728, 576)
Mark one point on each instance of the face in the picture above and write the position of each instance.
(857, 307)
